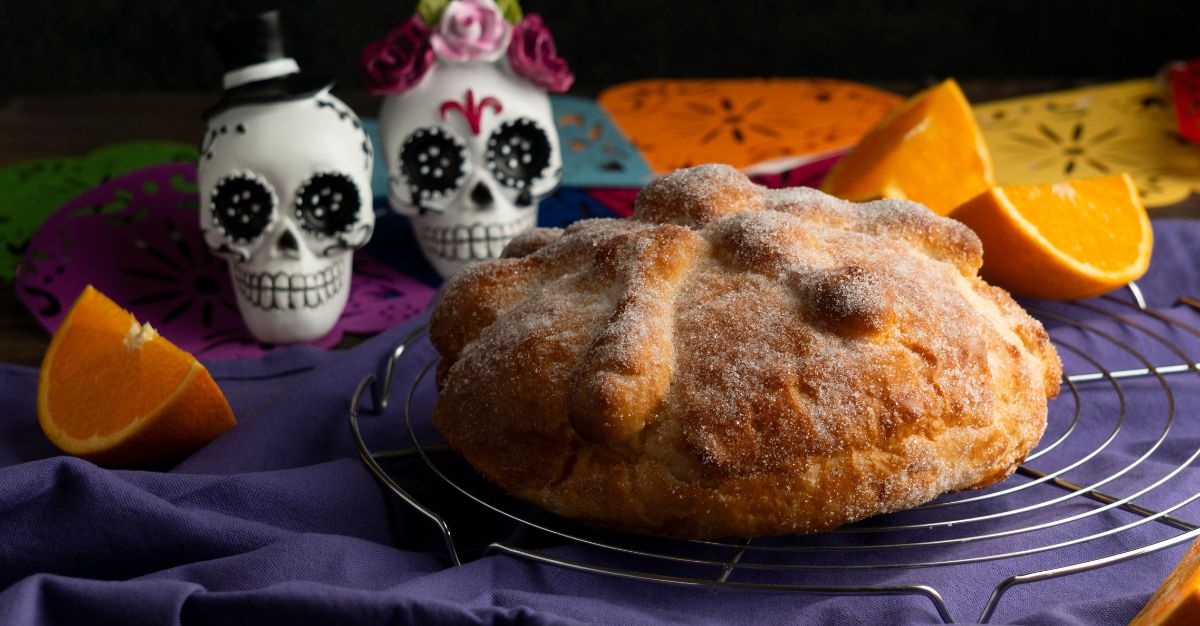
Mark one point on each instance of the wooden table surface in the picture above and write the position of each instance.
(56, 126)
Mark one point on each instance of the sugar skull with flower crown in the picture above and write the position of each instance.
(466, 126)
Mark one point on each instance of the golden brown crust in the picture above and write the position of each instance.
(734, 361)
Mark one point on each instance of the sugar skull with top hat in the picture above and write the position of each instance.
(284, 185)
(466, 126)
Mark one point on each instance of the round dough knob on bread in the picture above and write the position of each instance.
(738, 361)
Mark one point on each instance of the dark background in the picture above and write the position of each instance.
(76, 76)
(106, 46)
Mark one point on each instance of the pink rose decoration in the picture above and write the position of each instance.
(470, 30)
(399, 61)
(533, 56)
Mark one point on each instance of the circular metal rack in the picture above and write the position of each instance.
(1074, 505)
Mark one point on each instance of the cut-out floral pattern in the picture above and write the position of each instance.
(1093, 131)
(761, 125)
(137, 239)
(594, 152)
(32, 190)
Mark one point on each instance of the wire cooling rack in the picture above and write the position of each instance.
(1076, 503)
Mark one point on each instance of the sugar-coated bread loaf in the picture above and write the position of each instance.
(737, 361)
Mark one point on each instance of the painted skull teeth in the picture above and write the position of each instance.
(280, 290)
(472, 242)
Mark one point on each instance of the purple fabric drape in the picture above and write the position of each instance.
(278, 521)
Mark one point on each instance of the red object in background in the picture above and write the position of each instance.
(1185, 88)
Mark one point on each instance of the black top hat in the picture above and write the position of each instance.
(256, 68)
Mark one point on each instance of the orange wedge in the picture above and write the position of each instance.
(1177, 601)
(928, 150)
(115, 392)
(1061, 241)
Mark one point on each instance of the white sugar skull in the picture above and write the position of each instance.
(467, 129)
(285, 196)
(285, 190)
(470, 153)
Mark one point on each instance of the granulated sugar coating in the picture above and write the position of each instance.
(735, 361)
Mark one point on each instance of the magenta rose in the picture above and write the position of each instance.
(469, 30)
(533, 56)
(399, 61)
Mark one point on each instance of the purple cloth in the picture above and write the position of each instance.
(278, 521)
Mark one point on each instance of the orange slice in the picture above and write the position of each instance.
(115, 392)
(1060, 241)
(928, 150)
(1177, 601)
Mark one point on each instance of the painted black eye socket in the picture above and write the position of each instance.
(327, 204)
(434, 162)
(518, 152)
(242, 205)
